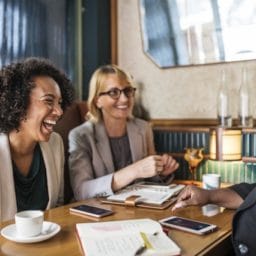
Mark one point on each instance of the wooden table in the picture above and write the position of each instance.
(66, 241)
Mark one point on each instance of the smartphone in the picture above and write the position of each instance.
(91, 210)
(193, 226)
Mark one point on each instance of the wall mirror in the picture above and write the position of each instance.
(191, 32)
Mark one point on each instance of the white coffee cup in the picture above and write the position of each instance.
(211, 181)
(29, 223)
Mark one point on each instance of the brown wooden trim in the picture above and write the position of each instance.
(194, 123)
(113, 23)
(181, 128)
(184, 122)
(249, 130)
(249, 159)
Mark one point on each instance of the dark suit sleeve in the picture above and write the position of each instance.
(243, 189)
(244, 222)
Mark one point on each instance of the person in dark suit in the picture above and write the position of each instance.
(241, 197)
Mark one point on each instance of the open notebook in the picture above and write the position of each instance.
(125, 238)
(151, 195)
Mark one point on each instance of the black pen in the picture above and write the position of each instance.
(140, 250)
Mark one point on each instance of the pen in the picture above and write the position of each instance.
(146, 244)
(140, 250)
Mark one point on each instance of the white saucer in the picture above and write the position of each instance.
(49, 230)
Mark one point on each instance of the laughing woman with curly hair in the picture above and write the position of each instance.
(33, 95)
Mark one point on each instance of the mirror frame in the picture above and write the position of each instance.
(174, 32)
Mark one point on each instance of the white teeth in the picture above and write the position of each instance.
(122, 107)
(50, 122)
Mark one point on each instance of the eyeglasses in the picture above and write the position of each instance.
(115, 93)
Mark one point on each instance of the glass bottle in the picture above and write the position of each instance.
(245, 115)
(224, 115)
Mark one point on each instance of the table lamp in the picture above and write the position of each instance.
(225, 144)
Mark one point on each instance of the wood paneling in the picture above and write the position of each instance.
(113, 31)
(193, 123)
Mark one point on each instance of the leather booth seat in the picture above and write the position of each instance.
(72, 117)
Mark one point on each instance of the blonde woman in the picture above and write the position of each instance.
(113, 149)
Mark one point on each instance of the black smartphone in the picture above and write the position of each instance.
(193, 226)
(91, 210)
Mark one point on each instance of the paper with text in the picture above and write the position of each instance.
(115, 238)
(149, 194)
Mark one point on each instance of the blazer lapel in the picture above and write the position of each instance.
(103, 146)
(8, 205)
(136, 141)
(50, 170)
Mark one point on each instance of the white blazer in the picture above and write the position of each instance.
(53, 155)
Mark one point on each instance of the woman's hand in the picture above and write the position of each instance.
(156, 165)
(169, 165)
(148, 166)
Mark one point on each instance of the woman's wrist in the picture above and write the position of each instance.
(135, 171)
(123, 177)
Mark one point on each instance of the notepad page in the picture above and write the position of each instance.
(161, 245)
(124, 238)
(147, 194)
(115, 238)
(114, 245)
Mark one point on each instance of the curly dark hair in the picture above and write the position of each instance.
(16, 83)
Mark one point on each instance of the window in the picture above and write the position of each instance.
(42, 28)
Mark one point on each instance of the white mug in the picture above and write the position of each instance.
(29, 223)
(211, 181)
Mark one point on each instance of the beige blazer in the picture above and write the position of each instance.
(90, 161)
(53, 155)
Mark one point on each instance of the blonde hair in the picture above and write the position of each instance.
(96, 86)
